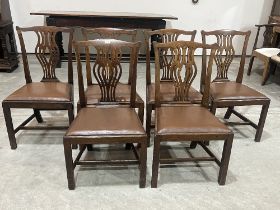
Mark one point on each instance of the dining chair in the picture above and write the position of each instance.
(49, 93)
(163, 36)
(267, 51)
(122, 91)
(108, 122)
(228, 94)
(181, 120)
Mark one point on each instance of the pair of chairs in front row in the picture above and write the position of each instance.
(112, 123)
(49, 94)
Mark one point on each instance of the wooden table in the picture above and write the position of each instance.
(103, 19)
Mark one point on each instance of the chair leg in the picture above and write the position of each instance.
(71, 115)
(225, 160)
(261, 122)
(128, 146)
(155, 167)
(71, 118)
(89, 147)
(213, 108)
(193, 145)
(265, 73)
(38, 115)
(10, 126)
(272, 68)
(148, 122)
(229, 112)
(213, 111)
(69, 165)
(143, 165)
(141, 112)
(250, 65)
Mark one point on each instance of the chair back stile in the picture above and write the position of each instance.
(163, 36)
(46, 51)
(183, 69)
(107, 68)
(226, 52)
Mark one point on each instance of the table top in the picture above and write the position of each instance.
(127, 15)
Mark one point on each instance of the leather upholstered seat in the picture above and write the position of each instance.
(42, 91)
(233, 91)
(94, 122)
(187, 119)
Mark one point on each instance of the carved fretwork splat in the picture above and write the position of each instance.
(224, 55)
(47, 52)
(183, 70)
(165, 60)
(107, 71)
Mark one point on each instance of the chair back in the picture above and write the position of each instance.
(107, 67)
(226, 52)
(46, 51)
(108, 33)
(163, 36)
(183, 69)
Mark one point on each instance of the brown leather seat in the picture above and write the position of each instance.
(42, 91)
(187, 119)
(94, 122)
(168, 91)
(233, 91)
(93, 94)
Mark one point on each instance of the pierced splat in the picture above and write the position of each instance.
(47, 52)
(224, 55)
(107, 71)
(182, 70)
(165, 60)
(163, 36)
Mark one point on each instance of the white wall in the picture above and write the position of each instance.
(206, 15)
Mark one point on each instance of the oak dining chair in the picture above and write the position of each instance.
(108, 122)
(225, 93)
(181, 120)
(48, 94)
